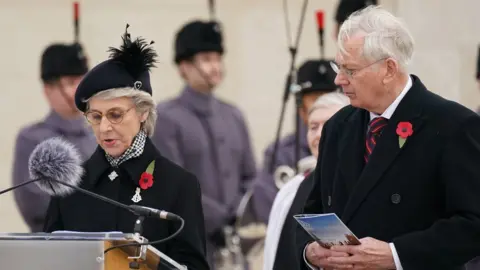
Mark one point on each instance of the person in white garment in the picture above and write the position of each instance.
(280, 238)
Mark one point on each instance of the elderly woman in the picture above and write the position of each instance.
(280, 241)
(116, 98)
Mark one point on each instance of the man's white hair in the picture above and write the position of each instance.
(385, 35)
(142, 100)
(328, 100)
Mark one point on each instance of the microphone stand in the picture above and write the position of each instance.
(211, 9)
(290, 86)
(76, 17)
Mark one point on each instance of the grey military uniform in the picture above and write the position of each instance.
(31, 201)
(210, 139)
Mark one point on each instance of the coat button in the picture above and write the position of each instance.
(396, 198)
(329, 203)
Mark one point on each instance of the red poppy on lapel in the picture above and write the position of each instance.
(146, 179)
(404, 130)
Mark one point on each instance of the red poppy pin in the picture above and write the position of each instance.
(146, 179)
(404, 130)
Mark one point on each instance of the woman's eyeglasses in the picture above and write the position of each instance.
(114, 116)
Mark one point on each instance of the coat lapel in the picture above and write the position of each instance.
(351, 155)
(387, 148)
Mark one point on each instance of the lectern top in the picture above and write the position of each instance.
(68, 235)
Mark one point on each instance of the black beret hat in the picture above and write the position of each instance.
(128, 66)
(316, 76)
(63, 60)
(346, 7)
(198, 36)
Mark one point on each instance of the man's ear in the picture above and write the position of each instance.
(391, 71)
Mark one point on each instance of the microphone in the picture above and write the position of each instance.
(152, 212)
(319, 16)
(55, 167)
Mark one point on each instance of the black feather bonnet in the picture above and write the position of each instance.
(198, 36)
(128, 66)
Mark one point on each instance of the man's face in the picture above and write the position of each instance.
(61, 96)
(204, 72)
(360, 79)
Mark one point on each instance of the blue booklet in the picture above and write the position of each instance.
(327, 229)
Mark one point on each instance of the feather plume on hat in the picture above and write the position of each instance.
(137, 56)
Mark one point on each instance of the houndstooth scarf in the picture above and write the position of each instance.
(135, 150)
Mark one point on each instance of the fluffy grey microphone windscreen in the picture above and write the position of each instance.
(55, 159)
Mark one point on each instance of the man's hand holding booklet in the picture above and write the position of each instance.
(339, 248)
(327, 229)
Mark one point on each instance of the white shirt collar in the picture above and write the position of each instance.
(391, 109)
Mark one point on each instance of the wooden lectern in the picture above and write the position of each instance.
(77, 250)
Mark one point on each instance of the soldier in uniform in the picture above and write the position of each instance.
(203, 134)
(62, 68)
(316, 77)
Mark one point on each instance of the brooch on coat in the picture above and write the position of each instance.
(145, 182)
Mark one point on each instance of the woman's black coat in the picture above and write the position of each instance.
(174, 190)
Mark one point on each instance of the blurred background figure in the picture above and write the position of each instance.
(205, 135)
(316, 78)
(62, 68)
(280, 241)
(347, 7)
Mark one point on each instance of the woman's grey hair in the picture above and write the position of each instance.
(143, 103)
(385, 35)
(328, 100)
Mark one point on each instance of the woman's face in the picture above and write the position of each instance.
(316, 120)
(115, 123)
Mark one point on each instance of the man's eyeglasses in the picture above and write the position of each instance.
(114, 116)
(350, 72)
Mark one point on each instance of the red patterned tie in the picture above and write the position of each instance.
(375, 128)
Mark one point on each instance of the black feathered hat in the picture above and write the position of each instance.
(316, 76)
(60, 60)
(198, 36)
(128, 66)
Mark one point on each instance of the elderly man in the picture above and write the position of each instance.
(399, 166)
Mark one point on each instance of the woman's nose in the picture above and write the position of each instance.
(105, 125)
